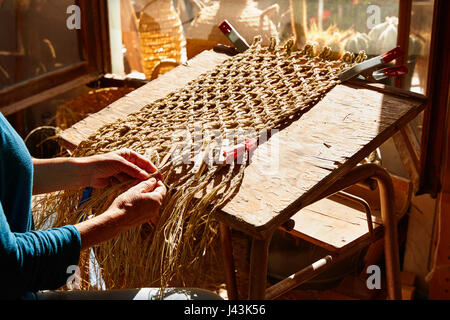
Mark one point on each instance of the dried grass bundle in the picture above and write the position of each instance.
(332, 37)
(261, 89)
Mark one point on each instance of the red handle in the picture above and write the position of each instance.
(251, 145)
(393, 54)
(237, 150)
(395, 71)
(225, 27)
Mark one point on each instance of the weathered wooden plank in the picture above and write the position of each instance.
(297, 163)
(313, 152)
(332, 224)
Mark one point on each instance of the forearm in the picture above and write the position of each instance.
(101, 228)
(36, 260)
(57, 174)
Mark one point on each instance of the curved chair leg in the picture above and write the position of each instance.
(390, 233)
(363, 203)
(260, 247)
(389, 220)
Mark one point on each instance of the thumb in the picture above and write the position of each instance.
(146, 185)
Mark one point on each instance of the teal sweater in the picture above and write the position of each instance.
(29, 260)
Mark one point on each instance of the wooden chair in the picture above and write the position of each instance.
(343, 224)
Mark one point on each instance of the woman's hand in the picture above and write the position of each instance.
(137, 205)
(140, 203)
(99, 171)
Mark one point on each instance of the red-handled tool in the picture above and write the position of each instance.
(390, 72)
(372, 63)
(392, 54)
(230, 154)
(236, 39)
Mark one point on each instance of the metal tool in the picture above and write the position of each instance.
(390, 72)
(363, 70)
(229, 154)
(236, 39)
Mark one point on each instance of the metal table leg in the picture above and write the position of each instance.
(389, 220)
(390, 234)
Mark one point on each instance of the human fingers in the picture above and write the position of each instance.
(125, 166)
(145, 186)
(139, 160)
(157, 195)
(160, 188)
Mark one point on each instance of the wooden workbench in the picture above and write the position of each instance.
(298, 164)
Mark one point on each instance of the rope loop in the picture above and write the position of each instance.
(289, 46)
(273, 44)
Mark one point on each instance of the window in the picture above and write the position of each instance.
(29, 47)
(43, 49)
(159, 31)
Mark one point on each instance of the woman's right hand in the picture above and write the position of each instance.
(140, 203)
(137, 205)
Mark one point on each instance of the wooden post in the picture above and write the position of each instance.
(404, 25)
(258, 268)
(130, 34)
(320, 15)
(227, 253)
(440, 266)
(433, 137)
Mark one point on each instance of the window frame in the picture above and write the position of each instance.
(94, 47)
(435, 114)
(423, 159)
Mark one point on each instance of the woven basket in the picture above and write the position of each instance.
(161, 36)
(94, 101)
(244, 15)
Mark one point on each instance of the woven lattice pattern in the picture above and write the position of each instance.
(261, 89)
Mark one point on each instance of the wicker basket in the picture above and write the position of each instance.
(250, 21)
(161, 36)
(80, 107)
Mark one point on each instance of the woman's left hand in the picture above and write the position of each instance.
(100, 171)
(97, 171)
